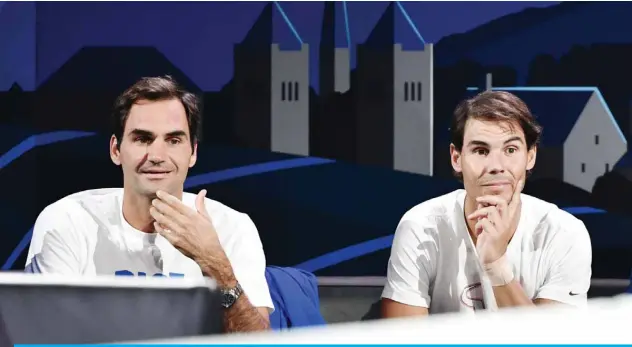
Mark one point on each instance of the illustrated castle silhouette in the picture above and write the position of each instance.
(381, 116)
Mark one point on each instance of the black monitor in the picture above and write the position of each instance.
(50, 309)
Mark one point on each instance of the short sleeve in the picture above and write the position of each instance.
(54, 248)
(411, 265)
(569, 261)
(249, 264)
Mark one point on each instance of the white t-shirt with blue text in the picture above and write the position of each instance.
(85, 234)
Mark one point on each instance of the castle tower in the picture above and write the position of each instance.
(334, 55)
(394, 101)
(413, 110)
(290, 101)
(271, 105)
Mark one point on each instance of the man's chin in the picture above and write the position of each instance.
(504, 191)
(151, 189)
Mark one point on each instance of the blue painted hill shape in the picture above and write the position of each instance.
(552, 30)
(503, 27)
(373, 197)
(112, 69)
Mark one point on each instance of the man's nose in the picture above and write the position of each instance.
(156, 152)
(495, 162)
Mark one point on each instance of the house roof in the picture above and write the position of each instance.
(556, 108)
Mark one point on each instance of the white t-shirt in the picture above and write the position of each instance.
(85, 234)
(434, 263)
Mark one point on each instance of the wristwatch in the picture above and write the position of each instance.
(230, 295)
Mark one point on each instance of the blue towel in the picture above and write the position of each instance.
(294, 294)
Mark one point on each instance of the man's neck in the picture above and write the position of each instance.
(468, 208)
(136, 212)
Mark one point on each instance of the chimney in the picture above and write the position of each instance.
(488, 81)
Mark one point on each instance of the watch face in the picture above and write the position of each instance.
(228, 300)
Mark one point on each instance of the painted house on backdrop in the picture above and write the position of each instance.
(581, 139)
(271, 88)
(393, 92)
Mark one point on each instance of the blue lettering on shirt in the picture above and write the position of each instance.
(143, 274)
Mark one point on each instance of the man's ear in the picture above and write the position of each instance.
(531, 155)
(455, 159)
(114, 150)
(193, 159)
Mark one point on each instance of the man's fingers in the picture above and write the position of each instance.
(200, 203)
(169, 211)
(165, 222)
(482, 212)
(175, 203)
(492, 200)
(485, 225)
(166, 233)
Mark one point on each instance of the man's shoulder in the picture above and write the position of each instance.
(84, 201)
(552, 220)
(431, 218)
(429, 211)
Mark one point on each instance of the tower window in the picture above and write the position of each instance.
(295, 91)
(583, 167)
(405, 91)
(412, 91)
(282, 91)
(607, 167)
(289, 91)
(596, 139)
(418, 91)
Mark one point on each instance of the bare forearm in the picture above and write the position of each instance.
(511, 295)
(242, 316)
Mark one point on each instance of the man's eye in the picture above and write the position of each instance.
(480, 151)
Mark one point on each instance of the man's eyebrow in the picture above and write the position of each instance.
(177, 133)
(141, 132)
(485, 144)
(515, 138)
(478, 143)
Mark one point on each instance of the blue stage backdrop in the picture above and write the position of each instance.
(366, 91)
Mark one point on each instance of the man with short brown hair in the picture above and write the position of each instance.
(488, 245)
(151, 227)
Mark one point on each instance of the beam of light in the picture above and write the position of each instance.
(38, 140)
(410, 21)
(346, 15)
(289, 23)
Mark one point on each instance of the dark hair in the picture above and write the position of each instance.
(492, 105)
(156, 89)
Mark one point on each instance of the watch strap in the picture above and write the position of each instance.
(230, 295)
